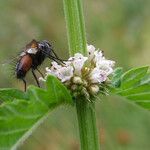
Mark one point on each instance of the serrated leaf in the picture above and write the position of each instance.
(133, 76)
(9, 94)
(19, 116)
(16, 118)
(146, 79)
(140, 96)
(141, 92)
(136, 90)
(135, 86)
(145, 104)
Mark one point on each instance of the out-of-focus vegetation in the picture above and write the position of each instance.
(119, 27)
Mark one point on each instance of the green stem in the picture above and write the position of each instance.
(75, 26)
(77, 43)
(87, 125)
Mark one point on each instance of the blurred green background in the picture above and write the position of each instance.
(119, 27)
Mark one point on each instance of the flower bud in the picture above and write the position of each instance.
(85, 93)
(94, 89)
(73, 87)
(77, 80)
(85, 83)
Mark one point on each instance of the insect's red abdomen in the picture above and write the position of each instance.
(23, 66)
(26, 62)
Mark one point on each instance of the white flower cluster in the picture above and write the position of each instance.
(88, 71)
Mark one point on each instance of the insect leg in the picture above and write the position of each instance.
(56, 56)
(56, 60)
(52, 57)
(25, 84)
(35, 77)
(40, 72)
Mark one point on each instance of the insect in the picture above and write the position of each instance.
(32, 57)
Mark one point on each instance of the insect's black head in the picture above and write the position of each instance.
(47, 50)
(45, 47)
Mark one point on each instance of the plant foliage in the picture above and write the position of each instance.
(134, 85)
(21, 112)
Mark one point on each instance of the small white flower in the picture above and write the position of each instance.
(65, 73)
(97, 76)
(55, 65)
(50, 72)
(105, 65)
(54, 69)
(98, 56)
(78, 62)
(83, 75)
(91, 50)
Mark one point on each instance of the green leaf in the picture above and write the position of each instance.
(133, 76)
(145, 104)
(57, 94)
(136, 96)
(146, 79)
(19, 117)
(141, 89)
(11, 94)
(135, 86)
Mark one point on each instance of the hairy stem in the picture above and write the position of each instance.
(87, 125)
(77, 43)
(75, 26)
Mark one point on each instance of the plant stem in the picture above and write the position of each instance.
(77, 43)
(75, 26)
(87, 125)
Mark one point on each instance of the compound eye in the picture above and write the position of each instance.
(41, 46)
